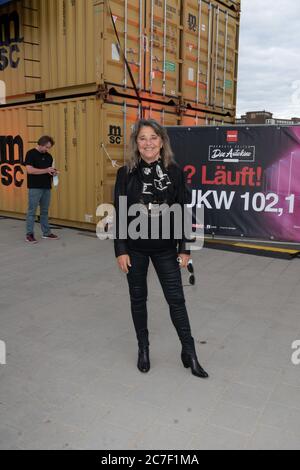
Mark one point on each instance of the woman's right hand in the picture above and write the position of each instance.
(124, 263)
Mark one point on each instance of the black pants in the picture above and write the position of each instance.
(169, 274)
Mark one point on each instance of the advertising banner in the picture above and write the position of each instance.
(247, 178)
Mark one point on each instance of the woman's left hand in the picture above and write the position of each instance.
(185, 260)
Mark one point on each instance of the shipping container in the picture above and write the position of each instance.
(210, 51)
(188, 50)
(20, 48)
(67, 43)
(72, 125)
(91, 138)
(91, 143)
(170, 51)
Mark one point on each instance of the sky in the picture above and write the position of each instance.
(269, 58)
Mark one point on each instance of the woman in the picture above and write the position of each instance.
(151, 177)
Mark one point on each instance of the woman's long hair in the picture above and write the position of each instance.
(134, 154)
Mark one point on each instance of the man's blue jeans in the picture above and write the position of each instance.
(38, 197)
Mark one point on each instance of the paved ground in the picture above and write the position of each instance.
(71, 381)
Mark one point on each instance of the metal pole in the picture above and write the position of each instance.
(209, 55)
(225, 59)
(151, 46)
(165, 48)
(141, 45)
(163, 117)
(217, 56)
(199, 49)
(125, 41)
(125, 131)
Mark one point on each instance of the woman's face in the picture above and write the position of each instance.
(149, 144)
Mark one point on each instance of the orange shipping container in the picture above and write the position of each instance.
(176, 50)
(20, 47)
(187, 50)
(91, 143)
(210, 53)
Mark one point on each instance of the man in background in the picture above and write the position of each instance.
(39, 181)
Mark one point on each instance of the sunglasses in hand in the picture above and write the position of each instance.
(190, 268)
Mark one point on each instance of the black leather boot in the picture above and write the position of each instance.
(144, 360)
(189, 359)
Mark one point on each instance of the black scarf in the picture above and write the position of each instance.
(155, 182)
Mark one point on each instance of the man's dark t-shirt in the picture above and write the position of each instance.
(40, 161)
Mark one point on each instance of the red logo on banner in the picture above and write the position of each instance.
(232, 136)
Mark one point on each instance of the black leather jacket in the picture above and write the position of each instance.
(129, 183)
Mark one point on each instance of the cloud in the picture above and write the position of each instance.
(269, 59)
